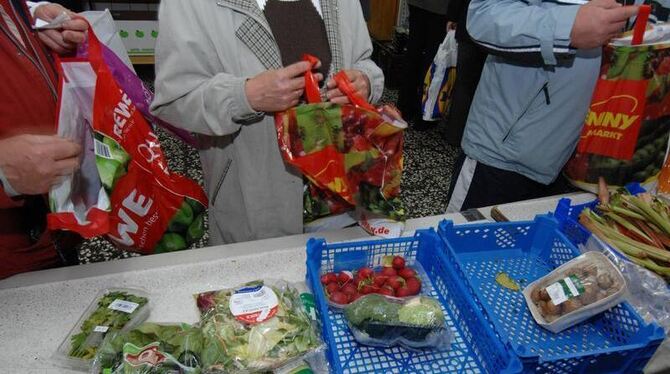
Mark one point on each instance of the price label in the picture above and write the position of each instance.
(123, 306)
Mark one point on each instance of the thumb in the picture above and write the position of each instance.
(623, 13)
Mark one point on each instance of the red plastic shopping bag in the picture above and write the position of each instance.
(124, 189)
(351, 152)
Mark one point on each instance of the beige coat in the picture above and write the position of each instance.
(206, 50)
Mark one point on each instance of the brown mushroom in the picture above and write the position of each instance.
(571, 305)
(550, 308)
(590, 295)
(544, 295)
(535, 295)
(605, 281)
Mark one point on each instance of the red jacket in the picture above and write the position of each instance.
(27, 106)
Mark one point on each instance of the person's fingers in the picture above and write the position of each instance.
(341, 100)
(296, 84)
(61, 150)
(47, 38)
(44, 139)
(75, 24)
(66, 166)
(318, 77)
(296, 69)
(73, 37)
(331, 83)
(622, 13)
(297, 94)
(605, 4)
(334, 93)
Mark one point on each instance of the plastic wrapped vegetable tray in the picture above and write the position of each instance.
(616, 341)
(474, 347)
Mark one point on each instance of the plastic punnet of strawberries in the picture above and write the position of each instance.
(394, 279)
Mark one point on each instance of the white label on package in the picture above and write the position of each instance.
(123, 306)
(102, 329)
(102, 149)
(565, 289)
(254, 304)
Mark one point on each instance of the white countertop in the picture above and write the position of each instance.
(38, 309)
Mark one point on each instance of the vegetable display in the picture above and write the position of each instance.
(393, 279)
(151, 349)
(113, 311)
(638, 226)
(417, 322)
(256, 327)
(577, 290)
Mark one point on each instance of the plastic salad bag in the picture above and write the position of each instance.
(124, 189)
(259, 326)
(381, 321)
(625, 135)
(151, 348)
(353, 152)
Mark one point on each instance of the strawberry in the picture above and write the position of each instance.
(332, 287)
(343, 277)
(389, 272)
(387, 290)
(349, 289)
(339, 298)
(365, 273)
(414, 285)
(329, 278)
(398, 262)
(324, 279)
(395, 282)
(403, 292)
(407, 273)
(379, 280)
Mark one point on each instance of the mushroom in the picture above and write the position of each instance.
(589, 296)
(571, 305)
(544, 295)
(549, 308)
(535, 295)
(605, 281)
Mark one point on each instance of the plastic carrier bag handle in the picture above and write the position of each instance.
(313, 95)
(641, 24)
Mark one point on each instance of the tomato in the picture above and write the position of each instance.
(339, 298)
(349, 289)
(407, 273)
(365, 273)
(343, 277)
(324, 279)
(389, 272)
(386, 290)
(380, 279)
(398, 263)
(403, 292)
(332, 287)
(414, 285)
(395, 282)
(368, 289)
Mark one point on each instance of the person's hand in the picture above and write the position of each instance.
(33, 163)
(451, 26)
(278, 90)
(64, 40)
(598, 22)
(358, 80)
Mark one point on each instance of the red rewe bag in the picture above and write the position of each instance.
(140, 205)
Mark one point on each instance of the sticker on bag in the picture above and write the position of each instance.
(252, 305)
(613, 122)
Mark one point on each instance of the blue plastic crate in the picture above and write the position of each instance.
(475, 348)
(617, 341)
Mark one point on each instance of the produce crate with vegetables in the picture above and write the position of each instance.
(112, 311)
(618, 340)
(474, 347)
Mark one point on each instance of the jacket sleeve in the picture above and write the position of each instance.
(362, 51)
(523, 32)
(193, 91)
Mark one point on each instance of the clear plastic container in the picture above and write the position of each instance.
(575, 291)
(112, 310)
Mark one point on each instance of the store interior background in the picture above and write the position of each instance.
(429, 160)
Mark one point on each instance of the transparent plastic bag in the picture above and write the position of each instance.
(259, 326)
(414, 323)
(575, 291)
(113, 310)
(151, 348)
(648, 293)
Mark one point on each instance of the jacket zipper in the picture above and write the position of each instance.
(38, 65)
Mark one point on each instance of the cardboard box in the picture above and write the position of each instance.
(138, 36)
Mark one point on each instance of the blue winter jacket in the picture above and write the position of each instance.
(535, 89)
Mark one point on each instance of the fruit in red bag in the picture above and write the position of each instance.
(365, 273)
(389, 272)
(343, 277)
(332, 287)
(339, 298)
(407, 273)
(386, 290)
(349, 289)
(398, 262)
(395, 282)
(380, 279)
(414, 285)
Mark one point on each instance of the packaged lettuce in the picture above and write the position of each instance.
(151, 349)
(381, 321)
(259, 326)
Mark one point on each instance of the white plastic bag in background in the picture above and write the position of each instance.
(647, 292)
(105, 29)
(440, 78)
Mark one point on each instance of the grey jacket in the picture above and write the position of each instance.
(205, 52)
(535, 89)
(434, 6)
